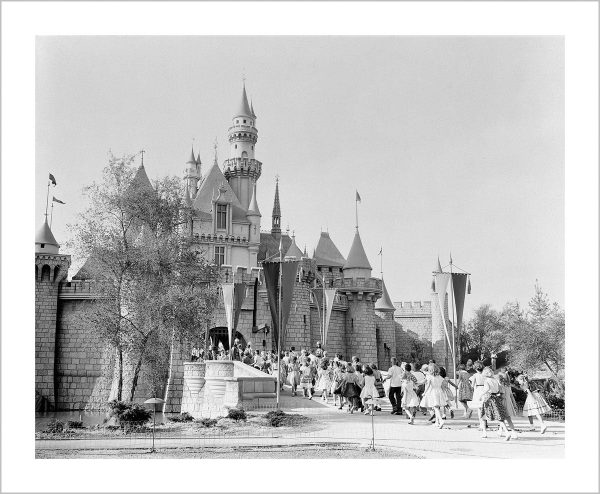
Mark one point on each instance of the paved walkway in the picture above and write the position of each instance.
(459, 438)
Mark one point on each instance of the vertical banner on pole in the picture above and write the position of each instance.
(228, 289)
(441, 284)
(271, 274)
(329, 299)
(239, 295)
(459, 284)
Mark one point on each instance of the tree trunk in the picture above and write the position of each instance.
(120, 383)
(136, 373)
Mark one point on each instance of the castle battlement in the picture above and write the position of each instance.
(418, 308)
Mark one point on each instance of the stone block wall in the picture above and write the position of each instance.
(361, 337)
(386, 338)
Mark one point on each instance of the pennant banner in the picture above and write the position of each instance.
(288, 280)
(441, 284)
(271, 274)
(239, 295)
(228, 302)
(459, 286)
(329, 299)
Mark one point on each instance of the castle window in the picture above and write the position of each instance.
(219, 255)
(222, 216)
(236, 146)
(244, 121)
(42, 245)
(237, 121)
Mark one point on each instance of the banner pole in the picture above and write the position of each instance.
(453, 336)
(280, 328)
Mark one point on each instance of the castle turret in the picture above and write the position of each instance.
(50, 269)
(385, 329)
(241, 169)
(276, 216)
(192, 174)
(254, 216)
(362, 292)
(294, 251)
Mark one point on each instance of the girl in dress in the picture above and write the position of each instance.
(324, 379)
(338, 378)
(369, 394)
(410, 400)
(535, 404)
(306, 376)
(351, 389)
(434, 396)
(464, 389)
(293, 374)
(505, 388)
(493, 404)
(446, 387)
(378, 384)
(477, 381)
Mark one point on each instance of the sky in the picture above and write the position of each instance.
(455, 144)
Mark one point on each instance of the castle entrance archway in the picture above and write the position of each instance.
(221, 334)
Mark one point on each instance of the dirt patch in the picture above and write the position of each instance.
(301, 451)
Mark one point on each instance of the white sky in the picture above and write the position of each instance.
(454, 143)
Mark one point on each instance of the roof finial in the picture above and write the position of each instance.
(216, 146)
(142, 153)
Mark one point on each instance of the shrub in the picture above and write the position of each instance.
(136, 413)
(55, 426)
(236, 414)
(208, 422)
(184, 417)
(75, 424)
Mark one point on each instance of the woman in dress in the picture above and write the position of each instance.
(535, 404)
(493, 405)
(410, 400)
(446, 387)
(369, 394)
(434, 396)
(464, 389)
(324, 375)
(293, 374)
(477, 381)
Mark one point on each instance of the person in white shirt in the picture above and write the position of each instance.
(395, 377)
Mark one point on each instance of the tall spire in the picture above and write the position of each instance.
(276, 217)
(252, 110)
(244, 108)
(192, 158)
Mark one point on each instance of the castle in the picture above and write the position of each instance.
(73, 371)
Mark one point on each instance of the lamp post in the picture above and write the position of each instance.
(154, 401)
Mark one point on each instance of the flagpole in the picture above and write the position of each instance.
(453, 308)
(51, 213)
(47, 194)
(280, 328)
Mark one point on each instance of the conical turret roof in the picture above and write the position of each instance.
(192, 159)
(327, 254)
(384, 304)
(44, 235)
(244, 107)
(253, 207)
(198, 160)
(357, 257)
(252, 109)
(294, 250)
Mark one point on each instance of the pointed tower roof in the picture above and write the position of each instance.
(44, 235)
(140, 180)
(244, 107)
(215, 181)
(294, 250)
(384, 304)
(192, 159)
(198, 160)
(327, 254)
(253, 207)
(276, 216)
(276, 206)
(252, 110)
(357, 257)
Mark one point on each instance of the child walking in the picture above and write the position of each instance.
(324, 379)
(493, 405)
(446, 387)
(535, 404)
(434, 396)
(410, 400)
(464, 389)
(306, 377)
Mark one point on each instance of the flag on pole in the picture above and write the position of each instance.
(52, 179)
(54, 199)
(228, 289)
(357, 196)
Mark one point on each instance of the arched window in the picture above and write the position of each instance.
(45, 272)
(244, 154)
(56, 272)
